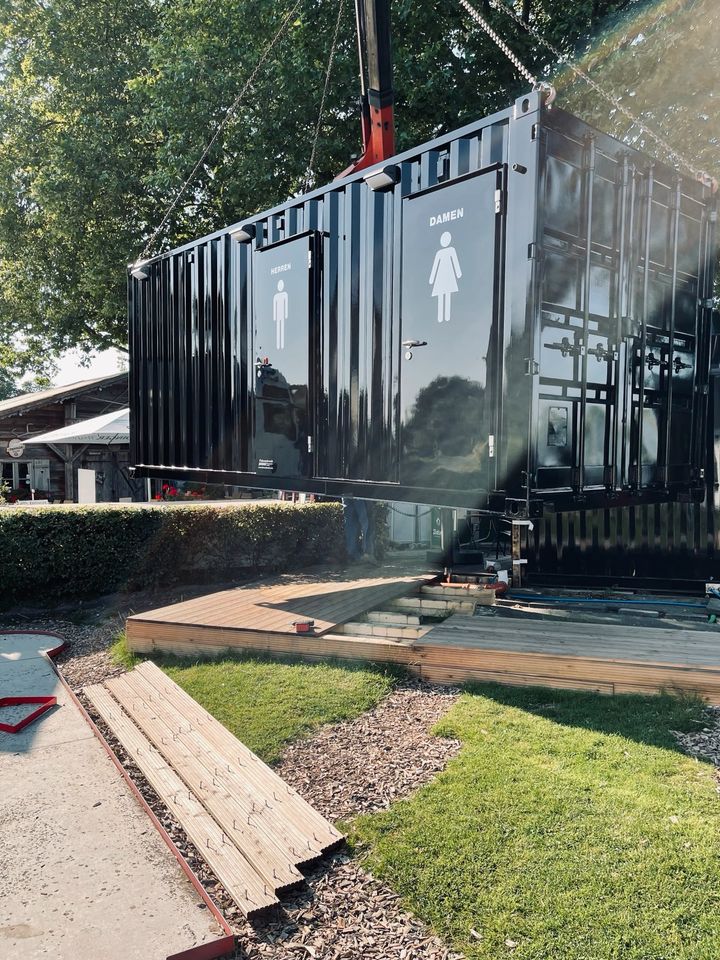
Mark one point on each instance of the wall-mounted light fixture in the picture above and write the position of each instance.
(140, 271)
(245, 233)
(382, 178)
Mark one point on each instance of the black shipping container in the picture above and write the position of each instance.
(516, 315)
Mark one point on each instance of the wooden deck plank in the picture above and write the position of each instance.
(633, 644)
(238, 811)
(257, 774)
(602, 656)
(241, 881)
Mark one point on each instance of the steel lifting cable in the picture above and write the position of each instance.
(331, 60)
(229, 113)
(682, 161)
(608, 97)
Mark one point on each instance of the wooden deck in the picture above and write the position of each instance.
(262, 616)
(607, 657)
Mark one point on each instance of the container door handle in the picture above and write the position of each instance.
(410, 346)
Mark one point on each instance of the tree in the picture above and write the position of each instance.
(663, 64)
(8, 387)
(105, 107)
(71, 166)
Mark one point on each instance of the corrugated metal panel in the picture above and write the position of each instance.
(678, 540)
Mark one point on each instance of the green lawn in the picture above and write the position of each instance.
(569, 828)
(267, 703)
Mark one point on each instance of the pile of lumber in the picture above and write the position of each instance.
(253, 830)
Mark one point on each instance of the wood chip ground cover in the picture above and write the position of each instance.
(367, 763)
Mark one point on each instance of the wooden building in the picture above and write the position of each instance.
(49, 469)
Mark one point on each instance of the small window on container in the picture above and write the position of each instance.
(561, 280)
(562, 197)
(557, 430)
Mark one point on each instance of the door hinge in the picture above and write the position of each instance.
(532, 251)
(310, 444)
(309, 259)
(491, 445)
(498, 201)
(532, 367)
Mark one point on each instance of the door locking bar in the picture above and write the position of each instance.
(566, 348)
(652, 361)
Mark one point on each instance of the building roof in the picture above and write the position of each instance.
(27, 401)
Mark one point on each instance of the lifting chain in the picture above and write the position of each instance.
(561, 57)
(499, 42)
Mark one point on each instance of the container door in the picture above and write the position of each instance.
(283, 302)
(451, 237)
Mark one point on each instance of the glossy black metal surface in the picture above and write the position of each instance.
(520, 323)
(668, 540)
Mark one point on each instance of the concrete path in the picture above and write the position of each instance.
(83, 871)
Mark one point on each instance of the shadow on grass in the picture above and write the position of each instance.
(648, 720)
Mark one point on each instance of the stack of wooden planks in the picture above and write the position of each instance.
(253, 830)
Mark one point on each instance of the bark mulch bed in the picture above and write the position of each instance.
(367, 763)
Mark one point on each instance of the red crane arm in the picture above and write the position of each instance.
(376, 88)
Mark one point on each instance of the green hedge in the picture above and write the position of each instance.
(55, 552)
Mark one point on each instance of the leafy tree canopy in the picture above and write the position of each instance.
(106, 106)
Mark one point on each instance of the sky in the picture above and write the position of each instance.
(101, 364)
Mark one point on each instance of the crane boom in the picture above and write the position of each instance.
(376, 86)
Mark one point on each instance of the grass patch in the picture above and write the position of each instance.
(122, 655)
(570, 827)
(267, 703)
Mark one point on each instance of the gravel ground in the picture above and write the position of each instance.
(342, 912)
(706, 742)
